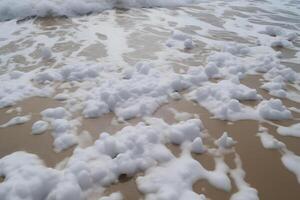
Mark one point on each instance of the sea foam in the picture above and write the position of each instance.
(11, 9)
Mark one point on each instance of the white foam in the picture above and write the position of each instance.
(186, 131)
(221, 99)
(39, 127)
(273, 109)
(292, 163)
(181, 116)
(293, 130)
(16, 86)
(197, 146)
(276, 87)
(20, 9)
(140, 95)
(225, 141)
(55, 113)
(16, 120)
(269, 142)
(174, 180)
(129, 151)
(63, 129)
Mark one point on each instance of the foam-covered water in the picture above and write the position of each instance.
(10, 9)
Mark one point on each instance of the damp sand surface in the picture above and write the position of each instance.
(264, 170)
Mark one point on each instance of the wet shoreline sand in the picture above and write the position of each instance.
(264, 170)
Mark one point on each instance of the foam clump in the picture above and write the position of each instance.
(62, 128)
(282, 43)
(280, 37)
(274, 31)
(16, 86)
(287, 74)
(276, 87)
(94, 109)
(228, 64)
(61, 96)
(126, 98)
(181, 116)
(39, 127)
(16, 121)
(292, 162)
(189, 44)
(293, 130)
(221, 99)
(68, 73)
(225, 141)
(64, 141)
(196, 76)
(180, 40)
(26, 177)
(55, 113)
(63, 134)
(273, 109)
(198, 146)
(177, 35)
(266, 63)
(268, 141)
(186, 131)
(212, 71)
(173, 180)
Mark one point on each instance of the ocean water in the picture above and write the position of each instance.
(10, 9)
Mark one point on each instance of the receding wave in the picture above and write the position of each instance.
(11, 9)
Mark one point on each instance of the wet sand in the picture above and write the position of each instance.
(264, 170)
(19, 137)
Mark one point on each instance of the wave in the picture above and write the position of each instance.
(16, 9)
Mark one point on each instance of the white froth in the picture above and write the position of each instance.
(225, 141)
(293, 130)
(16, 120)
(21, 9)
(39, 127)
(274, 109)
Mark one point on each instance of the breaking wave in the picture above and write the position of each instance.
(11, 9)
